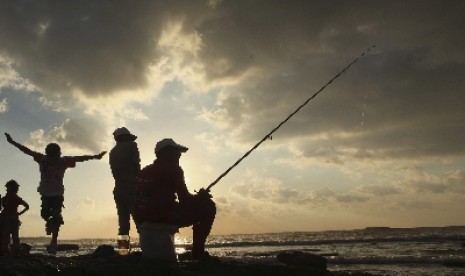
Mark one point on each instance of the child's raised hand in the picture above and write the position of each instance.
(8, 137)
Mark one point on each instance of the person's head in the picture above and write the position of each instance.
(169, 150)
(53, 150)
(12, 186)
(122, 134)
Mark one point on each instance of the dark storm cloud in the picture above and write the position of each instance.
(403, 100)
(96, 46)
(85, 133)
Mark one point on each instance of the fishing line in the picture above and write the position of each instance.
(268, 136)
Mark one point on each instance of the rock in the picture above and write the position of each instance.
(298, 258)
(454, 263)
(25, 249)
(104, 250)
(67, 246)
(90, 265)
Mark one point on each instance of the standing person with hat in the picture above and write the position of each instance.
(52, 170)
(166, 198)
(10, 218)
(125, 165)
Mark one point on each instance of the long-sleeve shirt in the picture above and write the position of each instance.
(165, 187)
(125, 165)
(52, 173)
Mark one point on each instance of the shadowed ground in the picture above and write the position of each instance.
(135, 265)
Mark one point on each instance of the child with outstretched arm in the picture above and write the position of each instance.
(52, 169)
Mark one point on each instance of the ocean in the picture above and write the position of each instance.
(376, 250)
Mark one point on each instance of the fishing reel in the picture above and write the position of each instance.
(204, 193)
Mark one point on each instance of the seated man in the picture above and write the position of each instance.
(162, 197)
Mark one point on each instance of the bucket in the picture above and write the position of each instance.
(124, 246)
(157, 241)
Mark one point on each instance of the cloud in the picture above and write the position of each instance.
(265, 63)
(403, 93)
(379, 190)
(402, 101)
(74, 135)
(3, 105)
(10, 78)
(265, 189)
(420, 180)
(388, 194)
(455, 181)
(351, 198)
(132, 113)
(54, 105)
(92, 47)
(87, 203)
(99, 49)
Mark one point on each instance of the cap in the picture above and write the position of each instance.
(123, 131)
(12, 183)
(168, 142)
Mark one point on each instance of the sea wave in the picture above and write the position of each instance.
(433, 238)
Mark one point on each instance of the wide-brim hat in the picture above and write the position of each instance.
(168, 142)
(123, 131)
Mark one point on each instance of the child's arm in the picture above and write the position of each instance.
(26, 207)
(83, 158)
(19, 146)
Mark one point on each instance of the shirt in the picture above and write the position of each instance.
(10, 203)
(165, 186)
(125, 164)
(52, 174)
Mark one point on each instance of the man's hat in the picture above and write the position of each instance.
(11, 183)
(168, 142)
(123, 131)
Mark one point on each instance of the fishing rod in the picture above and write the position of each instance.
(268, 136)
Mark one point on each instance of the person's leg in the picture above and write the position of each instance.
(123, 211)
(52, 247)
(5, 237)
(55, 221)
(15, 237)
(45, 213)
(201, 229)
(200, 214)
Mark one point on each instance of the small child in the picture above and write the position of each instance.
(10, 217)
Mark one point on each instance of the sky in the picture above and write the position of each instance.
(383, 145)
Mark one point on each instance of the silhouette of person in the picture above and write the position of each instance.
(166, 198)
(125, 165)
(52, 169)
(10, 218)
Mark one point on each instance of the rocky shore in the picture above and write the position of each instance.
(115, 265)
